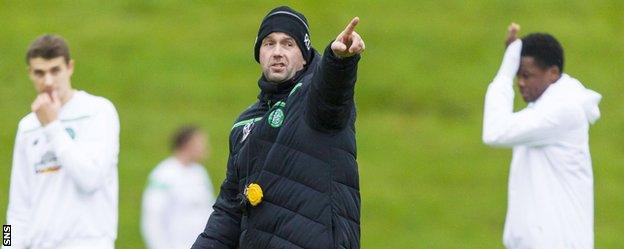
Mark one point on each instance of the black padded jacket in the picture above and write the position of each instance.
(297, 142)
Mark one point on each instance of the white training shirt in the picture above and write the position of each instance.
(550, 198)
(176, 205)
(64, 187)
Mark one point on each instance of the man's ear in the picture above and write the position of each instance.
(28, 67)
(31, 75)
(70, 67)
(553, 73)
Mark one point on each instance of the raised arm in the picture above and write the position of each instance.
(330, 102)
(539, 125)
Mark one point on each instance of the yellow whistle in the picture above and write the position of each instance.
(254, 194)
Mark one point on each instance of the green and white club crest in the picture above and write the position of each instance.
(276, 118)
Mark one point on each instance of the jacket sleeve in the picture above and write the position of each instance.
(330, 100)
(19, 209)
(90, 160)
(223, 228)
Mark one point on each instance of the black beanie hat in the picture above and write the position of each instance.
(284, 19)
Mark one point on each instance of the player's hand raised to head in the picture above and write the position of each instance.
(348, 43)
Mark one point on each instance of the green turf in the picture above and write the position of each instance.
(426, 179)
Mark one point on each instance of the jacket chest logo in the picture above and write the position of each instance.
(276, 115)
(276, 118)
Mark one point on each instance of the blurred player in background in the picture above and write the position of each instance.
(64, 186)
(551, 196)
(179, 195)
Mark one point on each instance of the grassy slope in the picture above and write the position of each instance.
(426, 180)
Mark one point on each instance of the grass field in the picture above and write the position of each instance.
(427, 181)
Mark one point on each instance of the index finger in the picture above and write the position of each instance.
(351, 26)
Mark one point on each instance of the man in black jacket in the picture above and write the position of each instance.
(292, 178)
